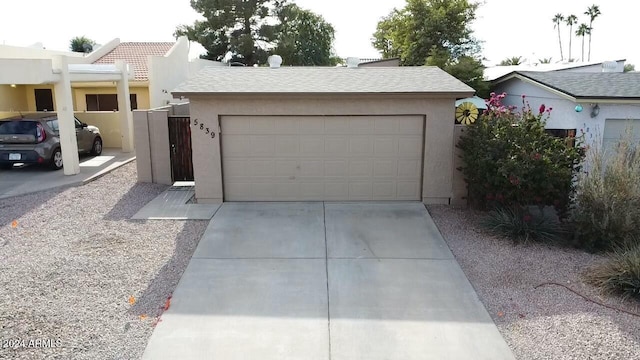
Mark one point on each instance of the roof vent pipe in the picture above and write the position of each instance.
(353, 62)
(274, 61)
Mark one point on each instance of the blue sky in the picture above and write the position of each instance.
(507, 27)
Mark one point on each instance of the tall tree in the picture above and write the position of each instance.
(583, 30)
(304, 38)
(435, 33)
(81, 44)
(557, 20)
(571, 20)
(514, 60)
(422, 25)
(593, 12)
(240, 28)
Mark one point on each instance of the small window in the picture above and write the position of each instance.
(563, 133)
(107, 102)
(53, 124)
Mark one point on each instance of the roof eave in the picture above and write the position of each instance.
(433, 94)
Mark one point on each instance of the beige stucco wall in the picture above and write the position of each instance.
(438, 154)
(13, 98)
(80, 101)
(108, 123)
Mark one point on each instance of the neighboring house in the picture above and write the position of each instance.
(158, 67)
(494, 72)
(599, 104)
(322, 133)
(380, 62)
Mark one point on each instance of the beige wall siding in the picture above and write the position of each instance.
(13, 98)
(109, 125)
(438, 148)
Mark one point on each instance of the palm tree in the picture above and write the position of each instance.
(557, 20)
(593, 12)
(514, 60)
(571, 20)
(583, 30)
(81, 44)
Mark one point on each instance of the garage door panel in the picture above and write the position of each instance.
(385, 168)
(360, 145)
(261, 145)
(235, 145)
(336, 145)
(362, 168)
(410, 126)
(409, 168)
(287, 125)
(312, 168)
(322, 158)
(385, 126)
(385, 146)
(410, 145)
(287, 145)
(261, 168)
(312, 145)
(336, 168)
(361, 125)
(336, 125)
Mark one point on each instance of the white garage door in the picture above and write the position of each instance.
(615, 130)
(292, 158)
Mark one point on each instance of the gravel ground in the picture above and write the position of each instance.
(73, 260)
(548, 322)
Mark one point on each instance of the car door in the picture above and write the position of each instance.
(83, 136)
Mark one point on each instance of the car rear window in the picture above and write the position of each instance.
(15, 127)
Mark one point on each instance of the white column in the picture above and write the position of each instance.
(124, 107)
(66, 119)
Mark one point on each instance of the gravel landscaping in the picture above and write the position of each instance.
(76, 270)
(545, 323)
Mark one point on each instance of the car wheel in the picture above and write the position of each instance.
(96, 149)
(56, 159)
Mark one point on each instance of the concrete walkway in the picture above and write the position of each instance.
(31, 178)
(324, 281)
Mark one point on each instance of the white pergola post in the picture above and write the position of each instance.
(66, 119)
(124, 107)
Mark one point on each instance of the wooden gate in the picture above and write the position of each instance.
(180, 147)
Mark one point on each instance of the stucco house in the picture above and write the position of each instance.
(599, 104)
(314, 133)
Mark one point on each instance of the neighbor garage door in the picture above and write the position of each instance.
(615, 130)
(292, 158)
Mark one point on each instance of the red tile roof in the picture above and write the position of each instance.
(136, 53)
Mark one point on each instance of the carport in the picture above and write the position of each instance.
(61, 74)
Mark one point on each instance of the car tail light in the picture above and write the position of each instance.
(41, 135)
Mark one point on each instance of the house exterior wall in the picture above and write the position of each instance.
(109, 125)
(167, 72)
(438, 148)
(563, 115)
(13, 98)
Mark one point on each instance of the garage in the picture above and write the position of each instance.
(323, 134)
(616, 129)
(271, 158)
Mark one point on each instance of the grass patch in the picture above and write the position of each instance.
(620, 274)
(524, 225)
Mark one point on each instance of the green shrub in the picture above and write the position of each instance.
(523, 224)
(620, 274)
(509, 160)
(607, 211)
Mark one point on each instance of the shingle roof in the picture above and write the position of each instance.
(136, 54)
(590, 85)
(319, 80)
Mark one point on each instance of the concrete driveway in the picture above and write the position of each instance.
(31, 178)
(324, 281)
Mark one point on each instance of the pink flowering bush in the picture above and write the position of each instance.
(510, 161)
